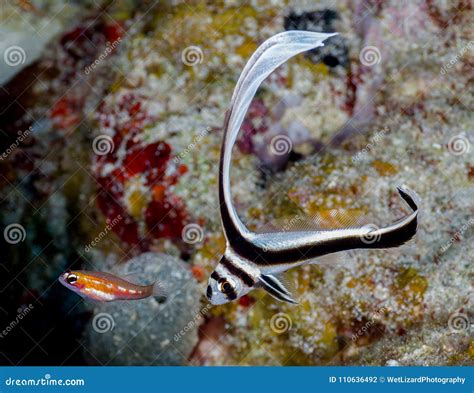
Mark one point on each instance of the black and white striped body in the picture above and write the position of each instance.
(255, 259)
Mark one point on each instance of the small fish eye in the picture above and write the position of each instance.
(71, 278)
(225, 286)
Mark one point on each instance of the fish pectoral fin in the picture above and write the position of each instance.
(275, 288)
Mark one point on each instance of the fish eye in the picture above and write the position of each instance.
(71, 278)
(225, 286)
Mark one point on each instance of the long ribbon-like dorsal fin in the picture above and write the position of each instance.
(270, 55)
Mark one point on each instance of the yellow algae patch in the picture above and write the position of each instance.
(299, 64)
(312, 197)
(202, 22)
(364, 281)
(329, 338)
(409, 279)
(384, 168)
(255, 212)
(296, 357)
(281, 208)
(227, 311)
(351, 283)
(339, 218)
(232, 20)
(156, 69)
(136, 199)
(470, 350)
(213, 247)
(409, 289)
(136, 203)
(246, 49)
(316, 68)
(258, 313)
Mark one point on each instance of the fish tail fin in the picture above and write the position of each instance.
(399, 232)
(159, 289)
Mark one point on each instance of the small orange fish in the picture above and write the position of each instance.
(106, 287)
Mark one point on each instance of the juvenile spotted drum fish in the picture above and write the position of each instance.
(106, 287)
(252, 259)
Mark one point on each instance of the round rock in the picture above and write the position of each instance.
(149, 331)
